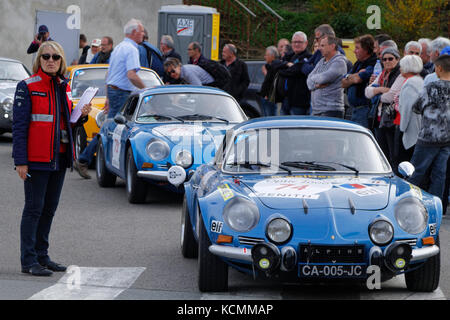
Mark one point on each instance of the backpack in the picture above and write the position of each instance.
(218, 71)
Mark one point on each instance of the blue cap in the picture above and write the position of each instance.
(43, 29)
(446, 50)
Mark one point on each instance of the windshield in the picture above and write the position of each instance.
(13, 71)
(295, 149)
(189, 107)
(96, 77)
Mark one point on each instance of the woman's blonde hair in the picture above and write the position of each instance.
(58, 49)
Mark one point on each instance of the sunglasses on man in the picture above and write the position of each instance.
(47, 56)
(388, 59)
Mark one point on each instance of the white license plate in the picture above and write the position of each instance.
(331, 271)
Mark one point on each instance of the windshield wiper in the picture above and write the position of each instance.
(308, 165)
(161, 116)
(319, 165)
(248, 164)
(198, 115)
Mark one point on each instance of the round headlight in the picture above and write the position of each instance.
(184, 159)
(7, 104)
(241, 215)
(158, 150)
(279, 230)
(381, 232)
(411, 215)
(100, 118)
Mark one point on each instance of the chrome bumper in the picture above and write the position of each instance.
(231, 252)
(154, 175)
(424, 253)
(246, 254)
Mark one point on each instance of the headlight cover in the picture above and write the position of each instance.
(7, 104)
(279, 230)
(184, 159)
(158, 150)
(381, 232)
(241, 214)
(411, 215)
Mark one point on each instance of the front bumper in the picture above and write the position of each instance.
(245, 254)
(162, 176)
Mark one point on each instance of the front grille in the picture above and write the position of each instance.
(309, 253)
(250, 241)
(411, 242)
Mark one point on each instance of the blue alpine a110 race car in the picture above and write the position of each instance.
(163, 131)
(308, 199)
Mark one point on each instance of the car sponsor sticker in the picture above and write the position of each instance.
(432, 228)
(226, 192)
(360, 189)
(416, 192)
(216, 226)
(116, 146)
(291, 188)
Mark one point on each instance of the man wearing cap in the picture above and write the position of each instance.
(95, 49)
(42, 36)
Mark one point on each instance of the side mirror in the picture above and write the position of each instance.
(120, 119)
(406, 169)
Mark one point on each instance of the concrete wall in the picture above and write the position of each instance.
(98, 18)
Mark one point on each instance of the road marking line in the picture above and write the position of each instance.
(81, 283)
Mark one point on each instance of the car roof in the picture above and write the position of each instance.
(180, 89)
(9, 59)
(300, 122)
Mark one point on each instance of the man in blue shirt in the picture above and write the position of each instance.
(121, 80)
(358, 78)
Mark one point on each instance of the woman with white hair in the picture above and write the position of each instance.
(407, 131)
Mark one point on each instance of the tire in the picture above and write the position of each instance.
(212, 271)
(189, 246)
(105, 179)
(135, 186)
(80, 140)
(425, 278)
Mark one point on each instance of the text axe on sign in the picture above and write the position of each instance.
(185, 27)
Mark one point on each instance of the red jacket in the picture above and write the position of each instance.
(38, 106)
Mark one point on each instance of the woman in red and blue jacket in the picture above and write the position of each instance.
(42, 151)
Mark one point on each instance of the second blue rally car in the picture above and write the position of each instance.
(163, 132)
(304, 198)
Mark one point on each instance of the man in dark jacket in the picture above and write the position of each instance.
(358, 78)
(195, 53)
(42, 36)
(272, 66)
(297, 95)
(240, 79)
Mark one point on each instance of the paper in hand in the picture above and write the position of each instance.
(85, 99)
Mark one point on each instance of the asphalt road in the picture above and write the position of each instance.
(131, 252)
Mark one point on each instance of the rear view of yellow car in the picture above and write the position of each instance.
(82, 77)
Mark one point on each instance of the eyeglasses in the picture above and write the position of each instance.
(171, 71)
(414, 53)
(47, 56)
(388, 59)
(298, 42)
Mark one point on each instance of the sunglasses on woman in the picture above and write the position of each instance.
(47, 56)
(388, 59)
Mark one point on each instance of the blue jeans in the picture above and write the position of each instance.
(116, 99)
(42, 193)
(268, 108)
(287, 110)
(436, 158)
(360, 115)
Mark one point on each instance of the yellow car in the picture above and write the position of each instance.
(84, 76)
(349, 47)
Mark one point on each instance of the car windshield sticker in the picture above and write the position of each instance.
(226, 192)
(116, 146)
(298, 188)
(178, 130)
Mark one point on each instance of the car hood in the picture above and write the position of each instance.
(204, 132)
(283, 192)
(8, 89)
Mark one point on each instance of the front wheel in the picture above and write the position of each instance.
(105, 179)
(426, 277)
(136, 187)
(213, 271)
(189, 246)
